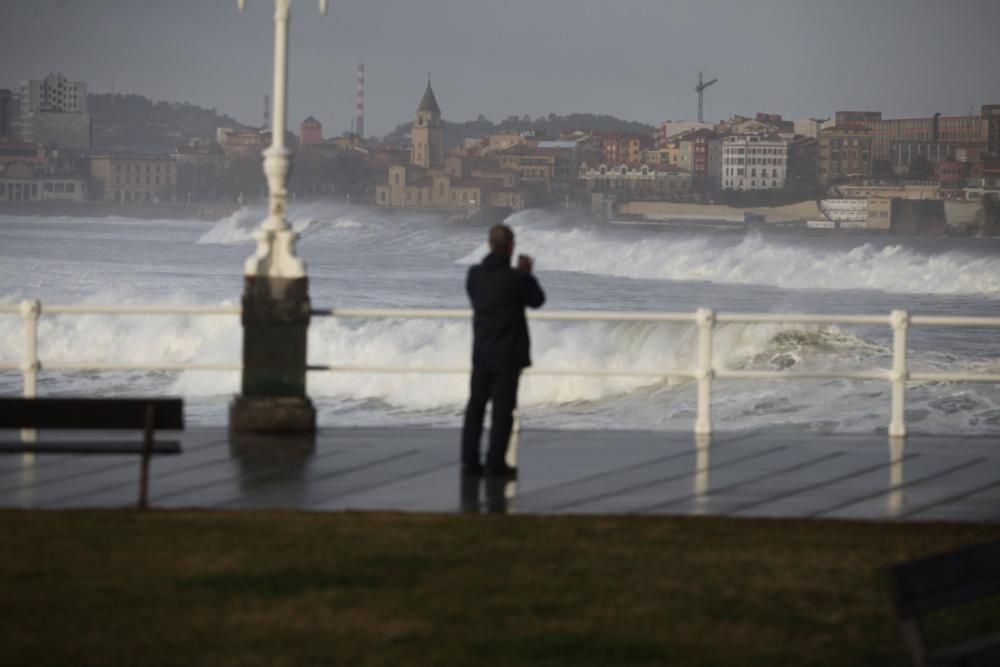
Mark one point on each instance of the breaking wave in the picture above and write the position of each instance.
(756, 260)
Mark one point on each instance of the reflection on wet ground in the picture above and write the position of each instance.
(857, 476)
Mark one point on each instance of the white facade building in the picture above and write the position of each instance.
(754, 162)
(53, 93)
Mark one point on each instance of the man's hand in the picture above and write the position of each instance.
(525, 263)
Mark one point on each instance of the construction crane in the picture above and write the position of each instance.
(700, 89)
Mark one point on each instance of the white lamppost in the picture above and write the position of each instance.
(276, 306)
(275, 255)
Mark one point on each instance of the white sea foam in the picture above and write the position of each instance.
(409, 260)
(755, 260)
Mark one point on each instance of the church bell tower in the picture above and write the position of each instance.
(428, 133)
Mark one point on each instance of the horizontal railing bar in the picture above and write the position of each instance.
(949, 321)
(455, 313)
(568, 315)
(142, 310)
(400, 313)
(592, 372)
(801, 318)
(611, 316)
(89, 365)
(800, 375)
(954, 377)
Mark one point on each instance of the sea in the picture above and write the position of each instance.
(359, 257)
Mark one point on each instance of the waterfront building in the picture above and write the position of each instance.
(310, 132)
(133, 178)
(670, 129)
(427, 133)
(6, 114)
(803, 156)
(910, 190)
(25, 182)
(430, 181)
(22, 151)
(620, 147)
(200, 170)
(754, 162)
(960, 130)
(637, 181)
(700, 151)
(55, 94)
(843, 153)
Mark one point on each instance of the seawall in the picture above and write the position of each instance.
(105, 209)
(654, 210)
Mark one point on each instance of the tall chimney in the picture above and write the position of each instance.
(267, 112)
(359, 125)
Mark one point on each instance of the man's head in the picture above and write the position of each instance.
(502, 240)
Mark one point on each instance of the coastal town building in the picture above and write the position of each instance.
(937, 129)
(640, 181)
(53, 110)
(430, 181)
(843, 153)
(619, 147)
(701, 152)
(6, 114)
(133, 178)
(22, 151)
(310, 132)
(200, 170)
(27, 182)
(671, 129)
(427, 134)
(241, 143)
(754, 162)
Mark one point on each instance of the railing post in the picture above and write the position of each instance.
(705, 318)
(31, 309)
(900, 321)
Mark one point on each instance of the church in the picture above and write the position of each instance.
(433, 180)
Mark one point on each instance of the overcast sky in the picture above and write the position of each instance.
(635, 59)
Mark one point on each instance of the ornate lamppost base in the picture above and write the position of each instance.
(273, 398)
(272, 414)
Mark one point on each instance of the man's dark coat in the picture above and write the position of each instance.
(499, 294)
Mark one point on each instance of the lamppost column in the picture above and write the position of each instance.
(276, 306)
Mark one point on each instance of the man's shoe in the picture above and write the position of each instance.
(505, 471)
(472, 470)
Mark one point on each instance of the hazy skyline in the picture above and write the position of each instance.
(635, 59)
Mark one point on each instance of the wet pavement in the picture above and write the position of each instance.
(763, 474)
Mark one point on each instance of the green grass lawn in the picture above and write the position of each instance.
(283, 588)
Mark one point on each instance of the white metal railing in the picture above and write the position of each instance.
(704, 319)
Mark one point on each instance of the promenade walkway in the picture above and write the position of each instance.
(763, 474)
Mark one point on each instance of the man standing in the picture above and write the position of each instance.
(500, 349)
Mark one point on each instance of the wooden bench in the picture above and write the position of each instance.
(940, 581)
(145, 414)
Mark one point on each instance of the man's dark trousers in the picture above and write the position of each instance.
(501, 388)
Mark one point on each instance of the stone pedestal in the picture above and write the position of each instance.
(275, 326)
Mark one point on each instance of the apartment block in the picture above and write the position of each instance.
(843, 152)
(754, 162)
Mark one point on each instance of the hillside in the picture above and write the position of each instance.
(549, 126)
(136, 123)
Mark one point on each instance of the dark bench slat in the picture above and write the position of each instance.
(87, 447)
(90, 413)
